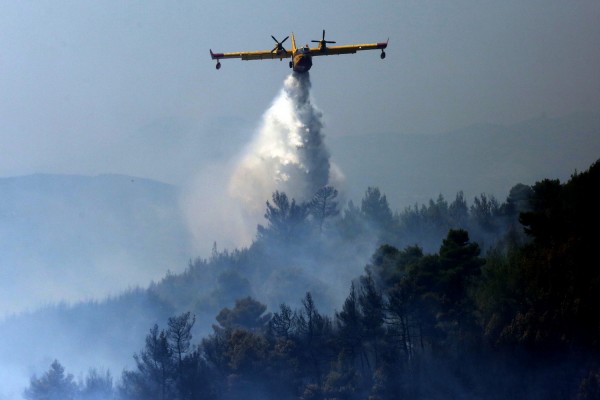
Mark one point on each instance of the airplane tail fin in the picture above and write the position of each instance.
(293, 43)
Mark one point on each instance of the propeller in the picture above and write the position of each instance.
(279, 46)
(323, 42)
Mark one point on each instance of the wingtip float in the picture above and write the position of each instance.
(301, 57)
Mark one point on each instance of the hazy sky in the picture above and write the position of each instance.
(129, 87)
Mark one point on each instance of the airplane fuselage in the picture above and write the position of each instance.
(301, 60)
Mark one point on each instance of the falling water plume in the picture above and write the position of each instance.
(288, 153)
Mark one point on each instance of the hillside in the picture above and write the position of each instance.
(449, 311)
(76, 237)
(72, 237)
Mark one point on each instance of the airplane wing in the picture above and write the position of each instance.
(347, 49)
(253, 55)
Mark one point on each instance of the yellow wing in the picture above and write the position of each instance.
(347, 49)
(253, 55)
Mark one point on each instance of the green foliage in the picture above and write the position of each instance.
(351, 226)
(458, 212)
(247, 313)
(282, 324)
(179, 334)
(286, 219)
(156, 367)
(444, 322)
(246, 351)
(485, 212)
(323, 205)
(499, 293)
(98, 386)
(557, 308)
(349, 325)
(53, 385)
(376, 209)
(546, 221)
(168, 367)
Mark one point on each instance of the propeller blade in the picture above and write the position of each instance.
(279, 46)
(323, 41)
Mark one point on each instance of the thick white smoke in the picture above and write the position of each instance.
(287, 154)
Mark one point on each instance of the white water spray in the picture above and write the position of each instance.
(288, 154)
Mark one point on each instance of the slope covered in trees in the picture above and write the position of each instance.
(85, 237)
(517, 318)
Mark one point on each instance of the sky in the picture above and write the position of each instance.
(129, 87)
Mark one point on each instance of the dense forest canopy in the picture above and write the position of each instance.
(492, 300)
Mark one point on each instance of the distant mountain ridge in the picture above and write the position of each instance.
(67, 237)
(56, 228)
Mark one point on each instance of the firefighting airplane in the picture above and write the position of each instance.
(301, 57)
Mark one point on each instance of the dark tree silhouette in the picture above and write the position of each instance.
(323, 205)
(247, 314)
(154, 378)
(286, 219)
(53, 385)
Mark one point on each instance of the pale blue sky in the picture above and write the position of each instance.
(128, 86)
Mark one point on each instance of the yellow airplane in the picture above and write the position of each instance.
(302, 56)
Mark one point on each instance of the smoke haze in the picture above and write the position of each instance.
(287, 154)
(112, 87)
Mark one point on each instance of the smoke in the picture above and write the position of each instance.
(223, 204)
(288, 154)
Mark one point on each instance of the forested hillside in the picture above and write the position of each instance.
(488, 300)
(70, 237)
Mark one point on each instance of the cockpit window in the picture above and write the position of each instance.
(303, 50)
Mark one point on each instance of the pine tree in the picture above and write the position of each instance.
(53, 385)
